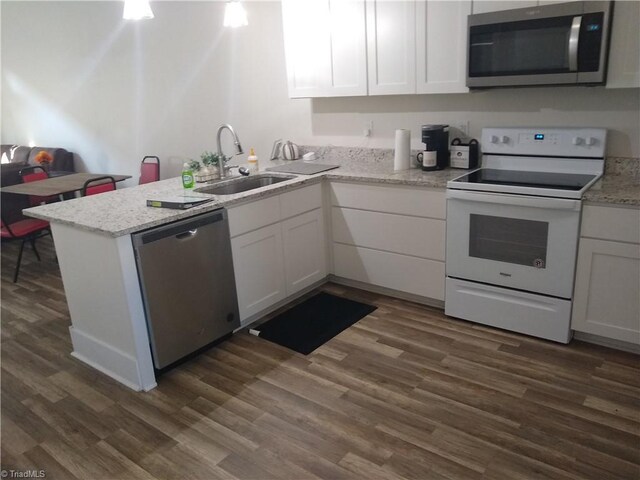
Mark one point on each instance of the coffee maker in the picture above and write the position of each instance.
(436, 154)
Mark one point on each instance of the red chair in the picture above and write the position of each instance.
(28, 229)
(101, 187)
(33, 174)
(149, 171)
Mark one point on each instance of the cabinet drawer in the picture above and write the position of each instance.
(418, 276)
(301, 200)
(611, 223)
(416, 201)
(420, 237)
(253, 215)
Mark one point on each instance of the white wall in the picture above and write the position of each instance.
(74, 74)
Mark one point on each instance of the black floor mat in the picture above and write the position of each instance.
(309, 324)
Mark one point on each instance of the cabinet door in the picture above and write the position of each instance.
(391, 47)
(304, 250)
(259, 268)
(624, 54)
(306, 46)
(325, 47)
(484, 6)
(348, 58)
(441, 50)
(606, 301)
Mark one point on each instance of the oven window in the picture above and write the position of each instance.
(511, 240)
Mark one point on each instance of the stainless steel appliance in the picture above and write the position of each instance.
(512, 228)
(564, 43)
(436, 139)
(188, 285)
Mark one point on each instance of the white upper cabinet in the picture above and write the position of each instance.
(391, 46)
(307, 46)
(441, 50)
(348, 73)
(484, 6)
(624, 52)
(325, 47)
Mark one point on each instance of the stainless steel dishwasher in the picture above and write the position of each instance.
(188, 285)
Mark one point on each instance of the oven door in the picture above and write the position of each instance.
(515, 241)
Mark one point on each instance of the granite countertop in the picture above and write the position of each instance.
(124, 211)
(614, 189)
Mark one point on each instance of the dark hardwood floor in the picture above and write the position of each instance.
(404, 393)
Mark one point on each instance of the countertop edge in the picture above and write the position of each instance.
(607, 197)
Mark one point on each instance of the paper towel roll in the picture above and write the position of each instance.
(402, 158)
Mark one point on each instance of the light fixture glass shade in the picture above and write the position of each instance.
(137, 10)
(235, 15)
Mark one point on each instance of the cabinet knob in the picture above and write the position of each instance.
(591, 141)
(504, 139)
(493, 139)
(577, 141)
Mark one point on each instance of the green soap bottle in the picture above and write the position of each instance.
(187, 176)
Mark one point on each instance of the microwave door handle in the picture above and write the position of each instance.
(574, 39)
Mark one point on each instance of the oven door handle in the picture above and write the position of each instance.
(516, 200)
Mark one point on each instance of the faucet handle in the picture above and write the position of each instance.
(241, 170)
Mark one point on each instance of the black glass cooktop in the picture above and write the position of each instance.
(517, 178)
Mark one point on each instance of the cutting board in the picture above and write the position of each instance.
(303, 168)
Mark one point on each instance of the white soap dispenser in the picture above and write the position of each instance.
(252, 160)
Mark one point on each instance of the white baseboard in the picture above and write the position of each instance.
(386, 291)
(258, 316)
(606, 342)
(114, 363)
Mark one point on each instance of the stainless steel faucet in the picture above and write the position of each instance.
(236, 141)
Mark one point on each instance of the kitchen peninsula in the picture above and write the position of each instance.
(94, 249)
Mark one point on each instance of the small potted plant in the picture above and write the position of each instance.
(210, 161)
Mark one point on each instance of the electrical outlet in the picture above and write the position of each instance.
(368, 128)
(462, 127)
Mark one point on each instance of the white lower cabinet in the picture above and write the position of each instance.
(606, 300)
(304, 259)
(278, 246)
(258, 262)
(392, 237)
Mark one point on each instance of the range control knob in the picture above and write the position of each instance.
(577, 140)
(493, 139)
(591, 141)
(504, 139)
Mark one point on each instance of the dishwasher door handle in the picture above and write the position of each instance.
(188, 234)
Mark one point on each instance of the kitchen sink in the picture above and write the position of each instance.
(243, 184)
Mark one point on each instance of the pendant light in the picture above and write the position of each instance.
(235, 15)
(137, 10)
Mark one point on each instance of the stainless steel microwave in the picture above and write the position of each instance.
(558, 44)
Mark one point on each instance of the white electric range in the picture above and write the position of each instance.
(513, 226)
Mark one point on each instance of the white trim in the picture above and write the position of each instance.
(107, 359)
(144, 363)
(606, 342)
(389, 292)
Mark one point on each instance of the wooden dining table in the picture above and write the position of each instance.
(59, 185)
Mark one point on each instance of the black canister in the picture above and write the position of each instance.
(436, 139)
